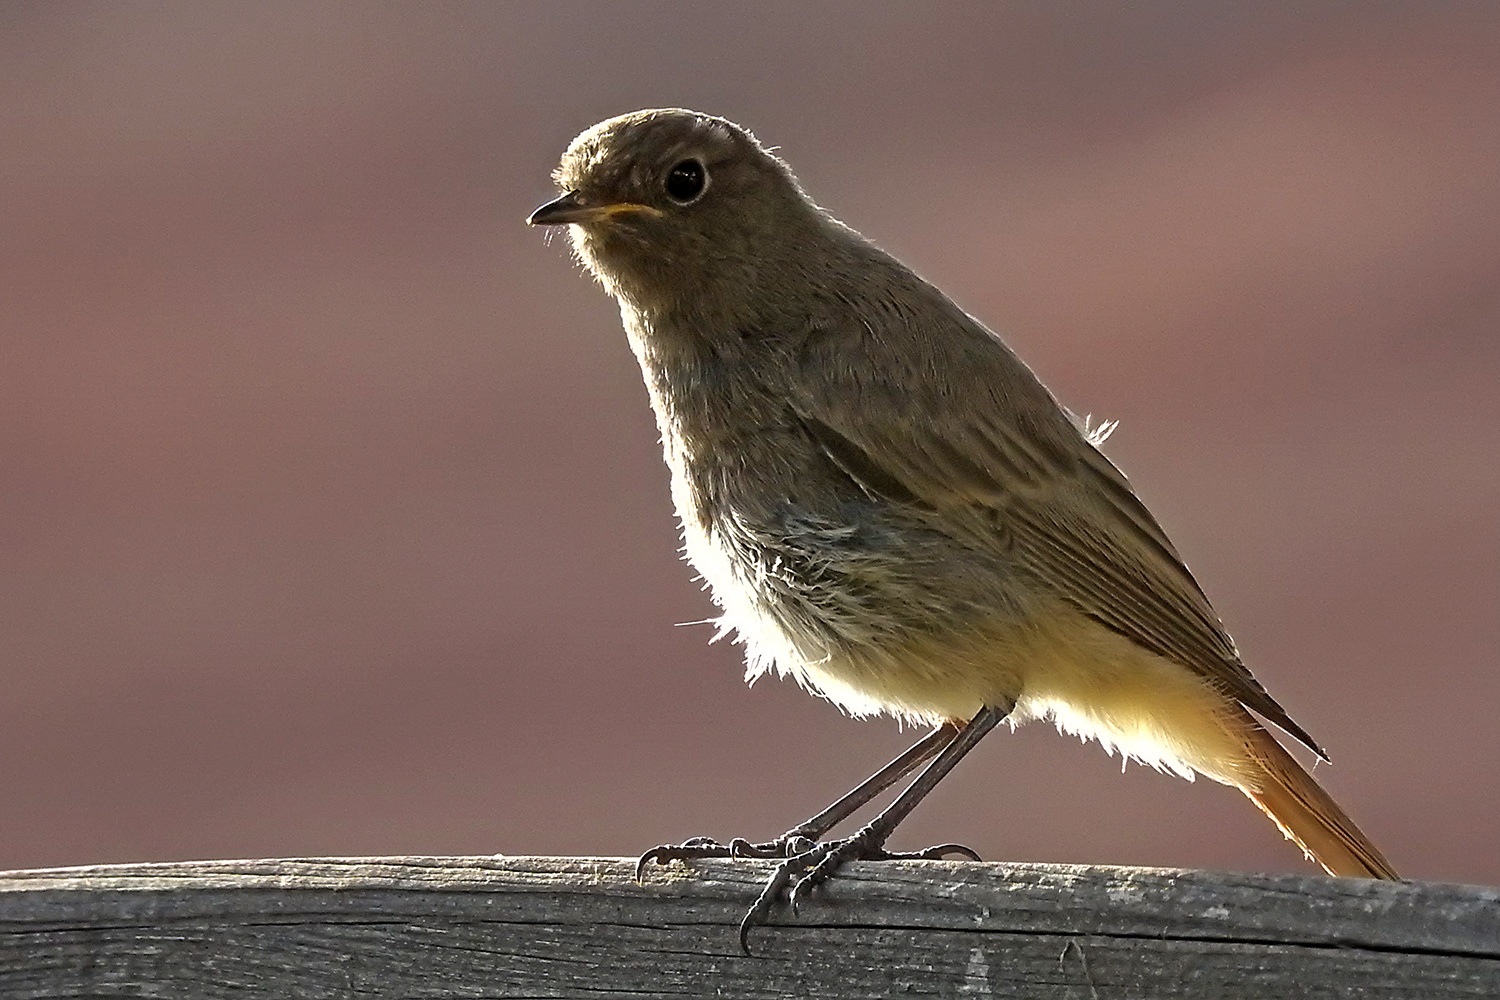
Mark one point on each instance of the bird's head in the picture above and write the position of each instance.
(669, 203)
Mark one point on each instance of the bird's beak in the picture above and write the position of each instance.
(572, 207)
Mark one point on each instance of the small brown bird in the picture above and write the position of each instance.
(892, 509)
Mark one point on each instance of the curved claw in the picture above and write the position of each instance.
(761, 908)
(654, 855)
(942, 851)
(794, 898)
(799, 844)
(695, 847)
(739, 847)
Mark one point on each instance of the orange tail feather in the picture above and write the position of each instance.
(1308, 816)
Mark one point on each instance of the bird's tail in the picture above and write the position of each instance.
(1307, 815)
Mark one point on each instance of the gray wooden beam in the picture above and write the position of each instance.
(578, 927)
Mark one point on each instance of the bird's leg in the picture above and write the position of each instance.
(804, 836)
(820, 861)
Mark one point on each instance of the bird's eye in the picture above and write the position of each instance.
(686, 181)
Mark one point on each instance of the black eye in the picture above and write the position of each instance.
(686, 181)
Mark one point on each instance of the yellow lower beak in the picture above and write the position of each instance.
(572, 208)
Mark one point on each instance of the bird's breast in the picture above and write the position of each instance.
(817, 577)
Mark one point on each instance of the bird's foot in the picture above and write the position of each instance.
(789, 844)
(810, 868)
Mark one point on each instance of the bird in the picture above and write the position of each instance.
(889, 507)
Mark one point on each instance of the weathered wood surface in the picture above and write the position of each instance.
(574, 927)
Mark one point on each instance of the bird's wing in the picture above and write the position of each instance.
(961, 422)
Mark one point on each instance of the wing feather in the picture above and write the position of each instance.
(1005, 444)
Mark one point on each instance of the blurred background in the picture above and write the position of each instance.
(332, 516)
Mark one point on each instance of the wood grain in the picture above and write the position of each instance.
(579, 927)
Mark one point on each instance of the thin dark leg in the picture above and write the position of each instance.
(804, 835)
(852, 801)
(822, 860)
(891, 816)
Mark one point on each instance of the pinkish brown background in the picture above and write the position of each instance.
(331, 514)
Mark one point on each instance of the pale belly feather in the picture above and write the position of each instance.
(1053, 662)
